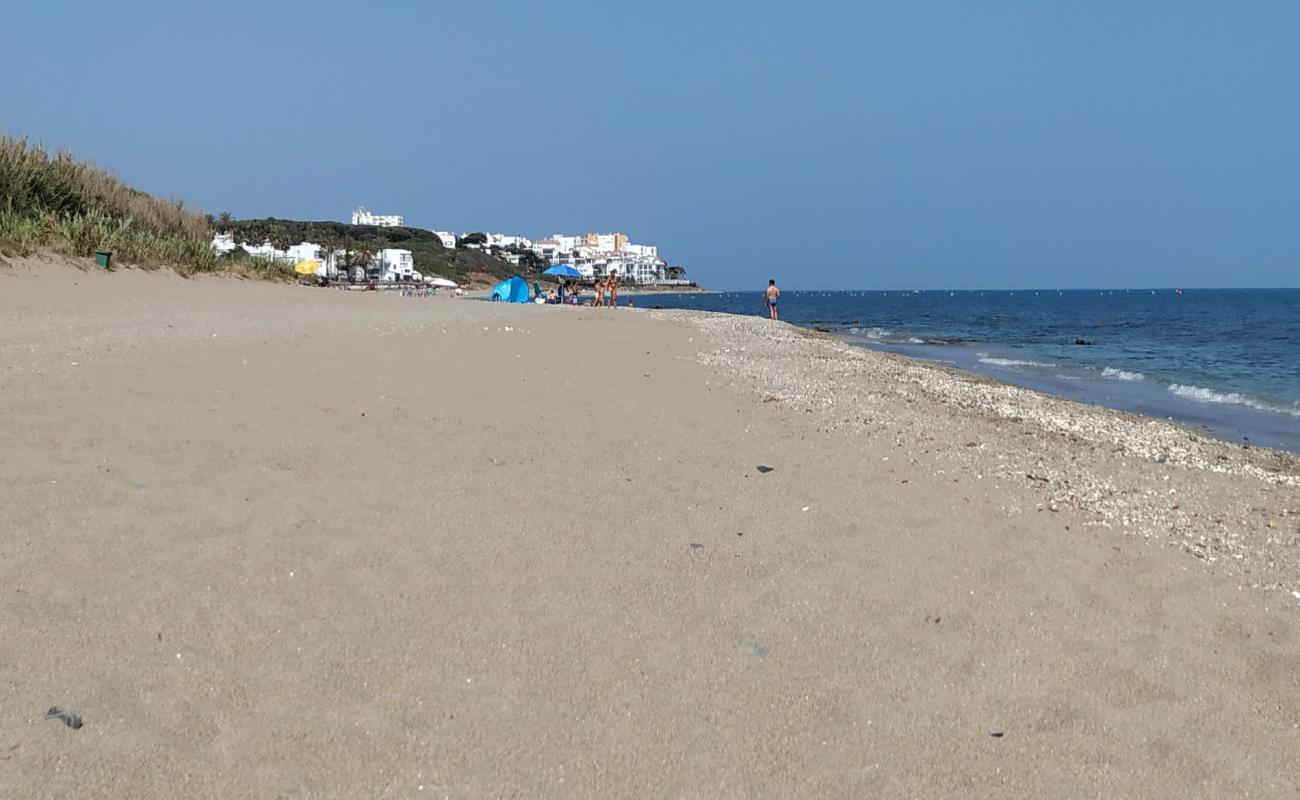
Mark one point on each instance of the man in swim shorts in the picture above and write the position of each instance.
(773, 294)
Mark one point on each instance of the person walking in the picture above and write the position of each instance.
(613, 289)
(773, 294)
(600, 294)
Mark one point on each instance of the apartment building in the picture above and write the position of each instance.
(363, 217)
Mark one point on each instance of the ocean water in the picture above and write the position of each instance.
(1227, 360)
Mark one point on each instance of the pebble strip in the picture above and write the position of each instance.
(1234, 507)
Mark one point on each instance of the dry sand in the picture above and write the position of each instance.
(283, 542)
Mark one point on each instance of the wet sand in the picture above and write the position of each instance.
(272, 541)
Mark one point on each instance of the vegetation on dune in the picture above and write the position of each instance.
(52, 202)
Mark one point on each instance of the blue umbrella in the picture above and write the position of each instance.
(564, 271)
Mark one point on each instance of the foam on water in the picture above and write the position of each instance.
(1203, 395)
(875, 334)
(1122, 375)
(1012, 362)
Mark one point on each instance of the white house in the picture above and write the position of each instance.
(642, 250)
(448, 239)
(550, 250)
(303, 252)
(565, 244)
(223, 243)
(395, 265)
(504, 240)
(363, 217)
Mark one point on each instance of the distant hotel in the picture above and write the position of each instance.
(363, 217)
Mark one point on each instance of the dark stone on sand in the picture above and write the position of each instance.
(764, 469)
(70, 718)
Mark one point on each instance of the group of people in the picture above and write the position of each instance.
(570, 294)
(607, 291)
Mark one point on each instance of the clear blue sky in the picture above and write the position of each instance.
(829, 145)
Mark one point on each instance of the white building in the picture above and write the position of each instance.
(642, 250)
(549, 249)
(363, 217)
(596, 255)
(448, 239)
(395, 265)
(566, 244)
(640, 270)
(503, 240)
(304, 252)
(223, 243)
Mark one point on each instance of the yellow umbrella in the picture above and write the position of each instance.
(307, 267)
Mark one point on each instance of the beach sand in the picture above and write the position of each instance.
(272, 541)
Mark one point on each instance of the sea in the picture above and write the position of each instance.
(1225, 360)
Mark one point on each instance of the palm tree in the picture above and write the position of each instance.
(366, 256)
(328, 245)
(223, 222)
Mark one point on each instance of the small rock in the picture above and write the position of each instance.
(764, 469)
(70, 718)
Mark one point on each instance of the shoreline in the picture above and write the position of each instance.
(851, 385)
(1234, 411)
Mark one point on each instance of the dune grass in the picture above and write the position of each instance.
(53, 202)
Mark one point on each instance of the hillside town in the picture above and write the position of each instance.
(594, 255)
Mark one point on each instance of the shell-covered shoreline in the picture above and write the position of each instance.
(1231, 506)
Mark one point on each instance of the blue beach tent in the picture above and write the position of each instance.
(511, 290)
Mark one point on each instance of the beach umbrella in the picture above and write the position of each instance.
(563, 271)
(443, 282)
(306, 267)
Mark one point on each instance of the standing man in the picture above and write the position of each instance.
(773, 294)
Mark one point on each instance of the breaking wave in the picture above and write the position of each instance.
(1012, 362)
(1122, 375)
(874, 334)
(1203, 395)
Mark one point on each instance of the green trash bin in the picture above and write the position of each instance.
(102, 257)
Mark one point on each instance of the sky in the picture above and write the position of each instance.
(911, 144)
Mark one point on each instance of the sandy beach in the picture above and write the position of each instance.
(271, 541)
